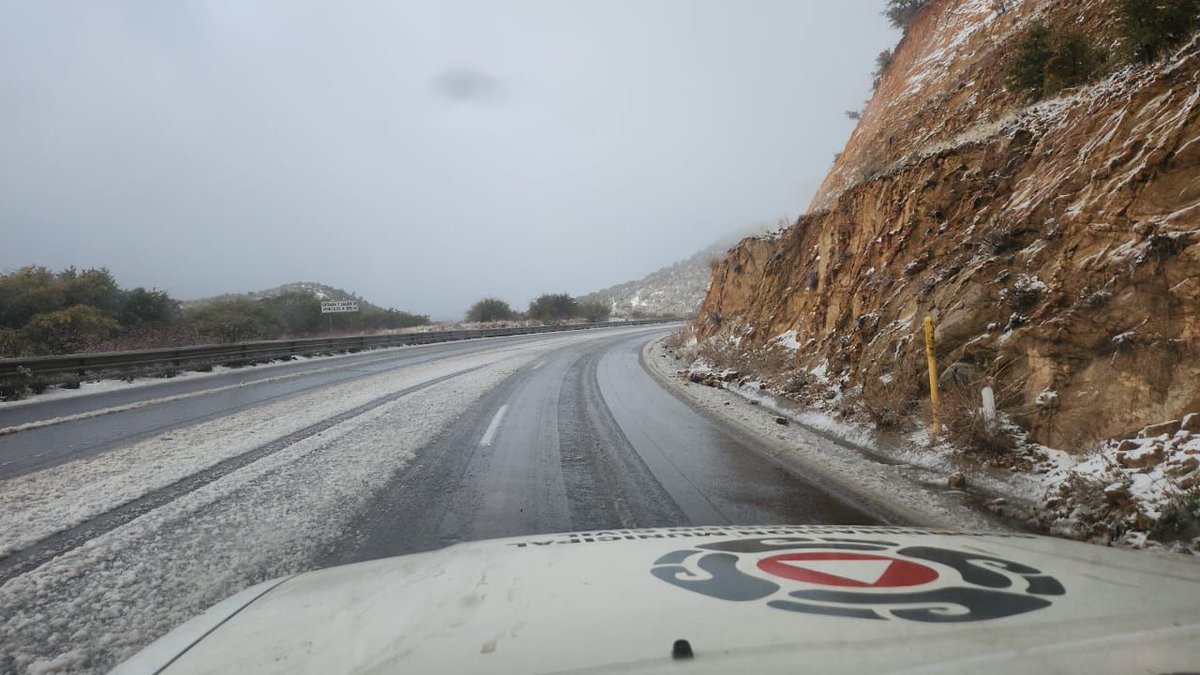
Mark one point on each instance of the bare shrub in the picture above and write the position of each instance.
(882, 62)
(889, 398)
(718, 353)
(901, 12)
(676, 341)
(963, 419)
(1180, 519)
(1164, 246)
(13, 390)
(684, 344)
(870, 167)
(1098, 298)
(1000, 241)
(797, 383)
(965, 425)
(771, 362)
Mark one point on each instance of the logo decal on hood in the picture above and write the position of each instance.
(860, 578)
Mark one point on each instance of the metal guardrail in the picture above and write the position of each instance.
(115, 362)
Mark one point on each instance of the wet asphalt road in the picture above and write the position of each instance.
(583, 439)
(177, 403)
(580, 436)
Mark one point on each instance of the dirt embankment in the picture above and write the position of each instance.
(1055, 245)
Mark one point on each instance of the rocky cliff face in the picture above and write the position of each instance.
(1055, 245)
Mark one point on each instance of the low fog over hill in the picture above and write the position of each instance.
(675, 290)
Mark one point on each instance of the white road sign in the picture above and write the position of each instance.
(337, 306)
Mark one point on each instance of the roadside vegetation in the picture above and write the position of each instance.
(291, 313)
(46, 312)
(491, 309)
(557, 307)
(1149, 28)
(1047, 60)
(900, 13)
(548, 308)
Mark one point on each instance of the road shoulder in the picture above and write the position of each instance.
(902, 492)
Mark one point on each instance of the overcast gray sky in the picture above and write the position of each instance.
(422, 154)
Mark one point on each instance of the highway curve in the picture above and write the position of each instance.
(584, 439)
(127, 512)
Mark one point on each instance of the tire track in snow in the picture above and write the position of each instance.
(35, 555)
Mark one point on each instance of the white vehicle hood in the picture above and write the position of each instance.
(767, 599)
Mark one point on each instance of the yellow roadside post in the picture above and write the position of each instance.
(933, 377)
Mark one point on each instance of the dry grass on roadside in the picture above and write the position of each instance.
(679, 339)
(1180, 517)
(719, 354)
(965, 425)
(771, 363)
(964, 421)
(890, 396)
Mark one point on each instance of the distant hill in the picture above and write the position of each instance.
(675, 290)
(320, 291)
(290, 309)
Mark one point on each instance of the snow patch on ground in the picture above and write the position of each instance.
(101, 602)
(1142, 492)
(98, 603)
(1128, 489)
(788, 340)
(43, 503)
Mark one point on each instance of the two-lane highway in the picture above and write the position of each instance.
(129, 512)
(76, 427)
(584, 439)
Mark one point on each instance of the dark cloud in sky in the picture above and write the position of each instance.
(466, 85)
(423, 154)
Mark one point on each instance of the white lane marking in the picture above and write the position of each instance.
(494, 426)
(538, 365)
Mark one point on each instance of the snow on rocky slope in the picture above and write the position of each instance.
(1053, 244)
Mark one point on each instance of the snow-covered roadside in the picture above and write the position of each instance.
(907, 492)
(40, 504)
(97, 604)
(1128, 490)
(1014, 494)
(1140, 492)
